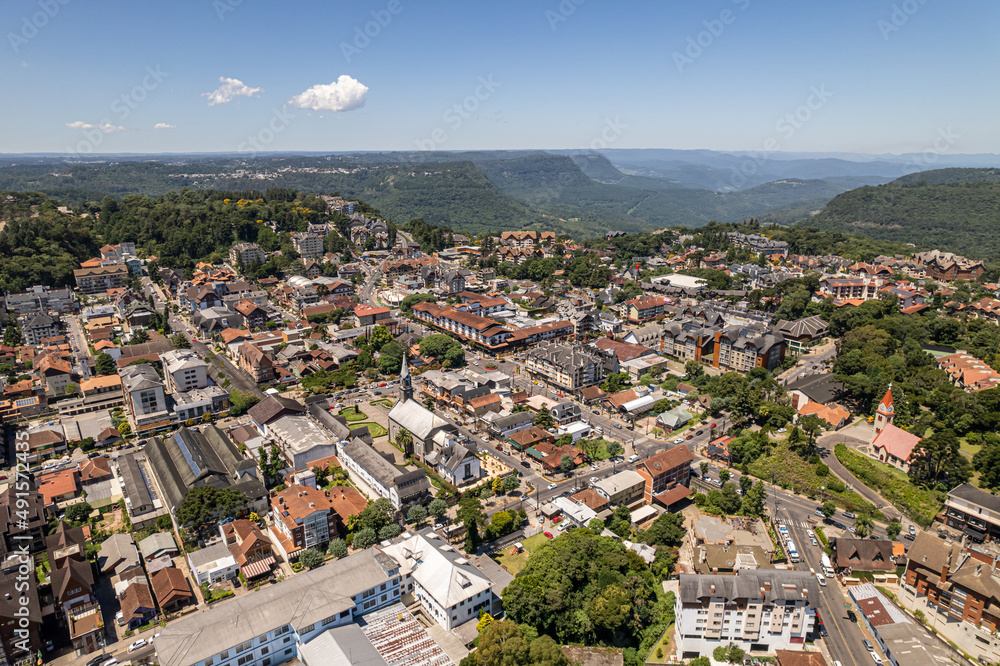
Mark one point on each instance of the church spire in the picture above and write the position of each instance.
(405, 382)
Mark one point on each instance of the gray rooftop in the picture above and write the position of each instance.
(746, 584)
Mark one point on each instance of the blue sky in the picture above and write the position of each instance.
(868, 76)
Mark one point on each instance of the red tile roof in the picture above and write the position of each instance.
(896, 441)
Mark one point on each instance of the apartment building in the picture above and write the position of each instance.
(306, 517)
(666, 470)
(759, 610)
(145, 399)
(268, 627)
(369, 316)
(245, 253)
(644, 309)
(968, 372)
(958, 590)
(973, 511)
(571, 367)
(624, 488)
(759, 244)
(99, 279)
(465, 325)
(41, 299)
(403, 488)
(36, 328)
(738, 348)
(850, 289)
(183, 370)
(308, 244)
(451, 589)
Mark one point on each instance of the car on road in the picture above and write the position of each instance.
(699, 432)
(593, 480)
(593, 468)
(141, 643)
(618, 425)
(376, 392)
(819, 512)
(97, 660)
(633, 458)
(689, 437)
(851, 616)
(548, 535)
(867, 644)
(713, 425)
(913, 531)
(848, 514)
(382, 384)
(852, 529)
(525, 463)
(552, 486)
(877, 659)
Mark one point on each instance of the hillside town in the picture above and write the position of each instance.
(375, 456)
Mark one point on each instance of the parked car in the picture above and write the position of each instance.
(548, 535)
(141, 643)
(633, 458)
(913, 531)
(593, 468)
(819, 513)
(848, 514)
(867, 644)
(553, 485)
(852, 529)
(593, 480)
(851, 616)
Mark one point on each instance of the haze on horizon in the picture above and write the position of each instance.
(737, 75)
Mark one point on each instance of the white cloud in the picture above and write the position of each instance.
(229, 89)
(163, 126)
(107, 128)
(344, 94)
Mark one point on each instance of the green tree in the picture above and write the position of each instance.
(745, 484)
(614, 449)
(12, 335)
(828, 508)
(337, 548)
(380, 335)
(364, 538)
(376, 515)
(203, 504)
(497, 485)
(893, 529)
(863, 525)
(502, 522)
(404, 439)
(139, 337)
(390, 531)
(667, 530)
(105, 365)
(241, 401)
(437, 508)
(78, 513)
(811, 424)
(416, 514)
(180, 341)
(731, 653)
(311, 558)
(754, 500)
(703, 466)
(544, 419)
(724, 476)
(511, 482)
(566, 464)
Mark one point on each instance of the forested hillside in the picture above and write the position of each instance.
(951, 209)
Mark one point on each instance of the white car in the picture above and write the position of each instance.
(141, 643)
(593, 468)
(553, 485)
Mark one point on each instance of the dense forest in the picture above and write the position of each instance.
(953, 209)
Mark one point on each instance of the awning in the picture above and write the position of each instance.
(258, 568)
(975, 533)
(672, 496)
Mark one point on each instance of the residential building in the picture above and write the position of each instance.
(570, 367)
(55, 372)
(505, 426)
(968, 372)
(183, 370)
(40, 299)
(117, 555)
(949, 267)
(214, 319)
(307, 517)
(308, 244)
(463, 325)
(643, 309)
(958, 590)
(171, 589)
(850, 289)
(801, 334)
(862, 554)
(252, 315)
(451, 590)
(250, 547)
(622, 489)
(973, 511)
(256, 362)
(759, 244)
(137, 604)
(37, 327)
(903, 641)
(213, 564)
(759, 610)
(270, 626)
(246, 253)
(402, 487)
(99, 279)
(665, 470)
(22, 520)
(145, 399)
(823, 389)
(369, 316)
(300, 440)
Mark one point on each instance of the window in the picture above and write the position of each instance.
(345, 614)
(244, 647)
(262, 638)
(266, 662)
(287, 638)
(209, 661)
(306, 630)
(382, 587)
(224, 655)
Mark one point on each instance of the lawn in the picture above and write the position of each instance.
(375, 429)
(383, 402)
(514, 563)
(600, 451)
(919, 504)
(664, 647)
(969, 449)
(789, 470)
(353, 414)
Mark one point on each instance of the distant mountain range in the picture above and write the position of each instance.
(574, 192)
(952, 209)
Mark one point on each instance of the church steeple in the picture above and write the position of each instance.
(885, 412)
(405, 382)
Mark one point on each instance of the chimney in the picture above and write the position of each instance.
(762, 591)
(944, 573)
(767, 586)
(805, 593)
(712, 589)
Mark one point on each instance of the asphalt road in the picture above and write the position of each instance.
(237, 378)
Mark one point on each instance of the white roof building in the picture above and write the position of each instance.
(578, 513)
